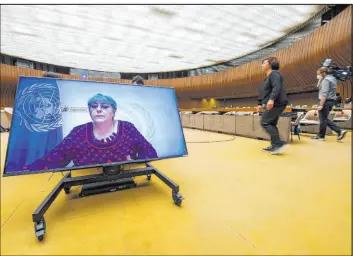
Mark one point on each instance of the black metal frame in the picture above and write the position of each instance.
(108, 175)
(293, 131)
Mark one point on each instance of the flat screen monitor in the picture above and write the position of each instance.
(60, 125)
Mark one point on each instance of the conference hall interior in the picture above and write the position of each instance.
(176, 129)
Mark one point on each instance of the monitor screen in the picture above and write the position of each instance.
(62, 124)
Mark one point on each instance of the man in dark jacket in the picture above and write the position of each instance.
(273, 99)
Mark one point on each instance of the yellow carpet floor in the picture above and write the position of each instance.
(238, 201)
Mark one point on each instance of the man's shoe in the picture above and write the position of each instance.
(341, 135)
(276, 150)
(318, 138)
(268, 149)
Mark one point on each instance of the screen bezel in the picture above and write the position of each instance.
(74, 168)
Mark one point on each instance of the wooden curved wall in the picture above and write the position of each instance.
(9, 78)
(298, 66)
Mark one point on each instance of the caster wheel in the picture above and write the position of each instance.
(149, 176)
(39, 229)
(67, 190)
(177, 198)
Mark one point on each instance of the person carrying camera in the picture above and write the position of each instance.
(327, 96)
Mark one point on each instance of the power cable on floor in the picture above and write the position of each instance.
(213, 141)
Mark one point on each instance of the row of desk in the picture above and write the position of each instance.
(246, 126)
(254, 109)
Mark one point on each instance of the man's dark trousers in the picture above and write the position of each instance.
(269, 123)
(324, 121)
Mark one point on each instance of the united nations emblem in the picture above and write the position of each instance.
(39, 107)
(140, 117)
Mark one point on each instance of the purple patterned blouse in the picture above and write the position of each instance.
(81, 147)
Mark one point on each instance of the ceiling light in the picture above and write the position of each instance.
(120, 38)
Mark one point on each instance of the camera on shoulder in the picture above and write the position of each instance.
(341, 73)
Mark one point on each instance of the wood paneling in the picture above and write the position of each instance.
(307, 98)
(298, 66)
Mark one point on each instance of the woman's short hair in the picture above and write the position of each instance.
(102, 99)
(273, 61)
(138, 80)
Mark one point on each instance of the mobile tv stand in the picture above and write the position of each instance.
(113, 174)
(109, 185)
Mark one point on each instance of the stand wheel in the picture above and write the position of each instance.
(67, 190)
(39, 229)
(149, 176)
(177, 198)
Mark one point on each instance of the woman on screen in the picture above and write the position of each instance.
(102, 141)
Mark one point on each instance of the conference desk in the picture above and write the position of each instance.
(245, 126)
(253, 109)
(223, 110)
(308, 109)
(5, 116)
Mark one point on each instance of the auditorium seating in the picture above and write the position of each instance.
(6, 117)
(343, 119)
(208, 113)
(193, 121)
(239, 113)
(310, 122)
(220, 123)
(4, 120)
(230, 113)
(241, 125)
